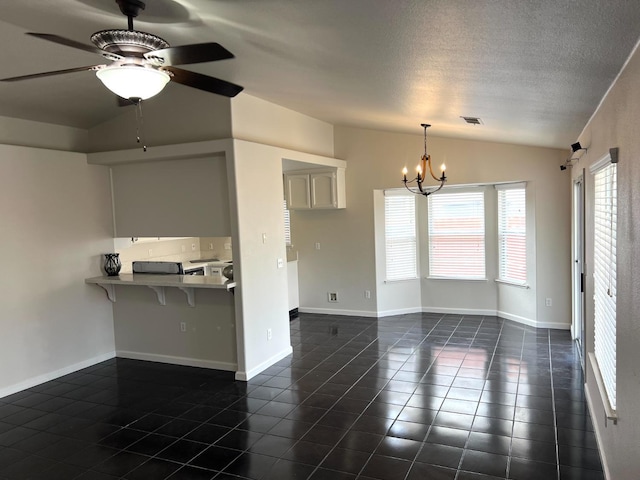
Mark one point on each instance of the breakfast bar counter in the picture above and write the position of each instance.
(186, 283)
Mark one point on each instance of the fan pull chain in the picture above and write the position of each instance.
(140, 125)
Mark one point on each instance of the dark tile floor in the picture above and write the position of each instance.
(408, 397)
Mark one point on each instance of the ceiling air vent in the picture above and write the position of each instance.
(472, 120)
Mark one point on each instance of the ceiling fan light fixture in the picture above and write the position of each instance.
(133, 81)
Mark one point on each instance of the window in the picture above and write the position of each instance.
(604, 276)
(512, 233)
(456, 235)
(400, 236)
(287, 225)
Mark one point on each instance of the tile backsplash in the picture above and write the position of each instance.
(173, 249)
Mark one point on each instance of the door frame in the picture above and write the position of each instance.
(578, 304)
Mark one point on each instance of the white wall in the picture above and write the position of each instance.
(346, 261)
(257, 192)
(257, 120)
(262, 292)
(173, 198)
(146, 330)
(56, 218)
(179, 115)
(15, 131)
(615, 124)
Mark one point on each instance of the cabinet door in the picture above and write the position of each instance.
(323, 190)
(297, 187)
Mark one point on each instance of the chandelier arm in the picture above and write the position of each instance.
(408, 188)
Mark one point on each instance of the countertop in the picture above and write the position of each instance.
(180, 281)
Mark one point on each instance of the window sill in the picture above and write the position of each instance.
(609, 412)
(513, 284)
(464, 279)
(412, 279)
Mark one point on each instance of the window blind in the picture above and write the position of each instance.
(604, 276)
(400, 237)
(512, 235)
(456, 235)
(287, 225)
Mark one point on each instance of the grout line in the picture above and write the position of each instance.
(372, 400)
(513, 422)
(553, 400)
(483, 386)
(407, 335)
(424, 440)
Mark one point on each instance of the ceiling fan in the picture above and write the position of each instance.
(141, 63)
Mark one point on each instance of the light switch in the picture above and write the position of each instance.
(280, 263)
(264, 238)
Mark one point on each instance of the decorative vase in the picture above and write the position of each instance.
(228, 272)
(112, 264)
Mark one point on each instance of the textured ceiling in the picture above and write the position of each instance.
(532, 70)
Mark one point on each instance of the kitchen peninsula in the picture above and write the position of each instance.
(153, 320)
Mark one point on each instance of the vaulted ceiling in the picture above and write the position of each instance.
(533, 70)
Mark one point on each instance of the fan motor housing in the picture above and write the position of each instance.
(130, 42)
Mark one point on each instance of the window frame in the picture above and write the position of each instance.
(604, 273)
(471, 191)
(501, 190)
(410, 220)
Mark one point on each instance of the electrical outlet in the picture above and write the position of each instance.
(367, 294)
(280, 263)
(151, 252)
(317, 245)
(211, 246)
(332, 297)
(183, 327)
(193, 247)
(227, 246)
(269, 334)
(548, 302)
(264, 238)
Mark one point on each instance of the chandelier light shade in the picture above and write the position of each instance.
(421, 172)
(133, 81)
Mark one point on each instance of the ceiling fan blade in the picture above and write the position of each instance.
(73, 44)
(49, 74)
(204, 82)
(189, 54)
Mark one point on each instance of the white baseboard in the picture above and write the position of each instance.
(451, 311)
(336, 311)
(534, 323)
(248, 375)
(32, 382)
(186, 361)
(458, 311)
(399, 311)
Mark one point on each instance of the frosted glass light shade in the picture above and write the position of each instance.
(131, 81)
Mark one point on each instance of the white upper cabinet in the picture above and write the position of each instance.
(317, 189)
(297, 188)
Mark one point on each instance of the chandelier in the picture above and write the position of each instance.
(425, 163)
